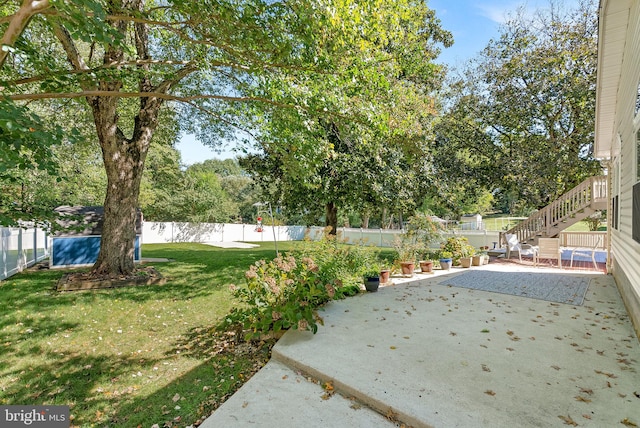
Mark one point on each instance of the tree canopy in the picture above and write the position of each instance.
(520, 116)
(366, 148)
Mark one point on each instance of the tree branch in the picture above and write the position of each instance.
(17, 23)
(161, 95)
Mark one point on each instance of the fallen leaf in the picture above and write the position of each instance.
(581, 398)
(490, 392)
(392, 347)
(328, 386)
(176, 397)
(485, 368)
(284, 377)
(555, 367)
(628, 423)
(586, 416)
(568, 421)
(587, 390)
(609, 375)
(636, 394)
(245, 404)
(391, 415)
(510, 333)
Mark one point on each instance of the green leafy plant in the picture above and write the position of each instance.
(372, 272)
(282, 294)
(459, 247)
(421, 232)
(446, 255)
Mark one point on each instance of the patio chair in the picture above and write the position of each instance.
(587, 252)
(514, 244)
(549, 248)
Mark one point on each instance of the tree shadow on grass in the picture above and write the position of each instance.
(191, 398)
(83, 382)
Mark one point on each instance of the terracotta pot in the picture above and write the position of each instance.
(465, 262)
(426, 266)
(407, 268)
(384, 276)
(476, 260)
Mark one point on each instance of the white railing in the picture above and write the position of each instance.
(590, 192)
(583, 239)
(21, 248)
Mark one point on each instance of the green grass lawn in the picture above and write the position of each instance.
(129, 356)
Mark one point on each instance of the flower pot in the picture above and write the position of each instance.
(426, 266)
(372, 283)
(445, 264)
(465, 262)
(485, 260)
(407, 268)
(384, 276)
(477, 260)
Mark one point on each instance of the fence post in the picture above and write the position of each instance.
(3, 253)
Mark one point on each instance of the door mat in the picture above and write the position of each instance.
(569, 289)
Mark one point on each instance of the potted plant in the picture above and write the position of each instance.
(385, 272)
(372, 278)
(406, 254)
(446, 259)
(426, 262)
(466, 254)
(481, 257)
(459, 247)
(421, 231)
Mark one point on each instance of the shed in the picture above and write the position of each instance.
(471, 222)
(77, 242)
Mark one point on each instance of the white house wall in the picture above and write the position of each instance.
(626, 251)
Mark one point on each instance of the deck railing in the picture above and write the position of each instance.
(591, 193)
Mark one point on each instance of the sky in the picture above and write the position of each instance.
(472, 22)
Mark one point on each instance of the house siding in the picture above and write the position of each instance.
(625, 251)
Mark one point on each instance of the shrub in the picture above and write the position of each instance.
(459, 247)
(282, 294)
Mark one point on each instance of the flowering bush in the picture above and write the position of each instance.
(284, 293)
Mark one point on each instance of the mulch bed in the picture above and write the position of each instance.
(78, 281)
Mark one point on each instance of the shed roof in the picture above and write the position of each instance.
(85, 220)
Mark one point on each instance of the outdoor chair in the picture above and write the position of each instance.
(549, 248)
(514, 244)
(587, 252)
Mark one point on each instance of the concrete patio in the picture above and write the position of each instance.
(421, 354)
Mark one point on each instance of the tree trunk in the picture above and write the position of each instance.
(124, 162)
(123, 158)
(331, 211)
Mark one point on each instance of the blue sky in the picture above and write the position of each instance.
(472, 22)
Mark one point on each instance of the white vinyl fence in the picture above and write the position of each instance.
(156, 233)
(21, 248)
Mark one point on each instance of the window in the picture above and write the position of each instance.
(635, 229)
(637, 108)
(614, 208)
(638, 156)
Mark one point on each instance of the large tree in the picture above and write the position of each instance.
(203, 54)
(368, 151)
(520, 118)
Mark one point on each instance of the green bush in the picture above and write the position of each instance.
(287, 291)
(459, 247)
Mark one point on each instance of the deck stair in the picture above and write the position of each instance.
(577, 204)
